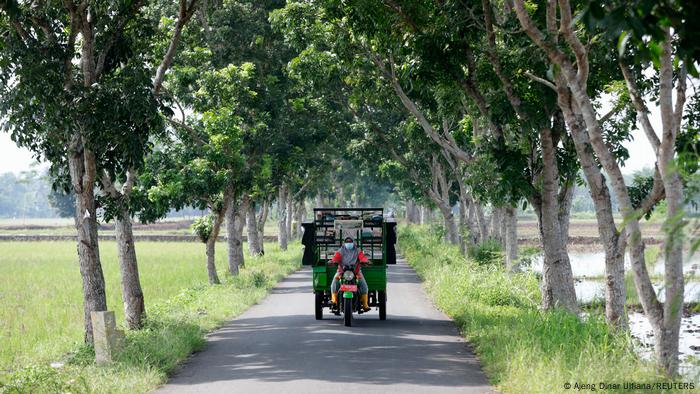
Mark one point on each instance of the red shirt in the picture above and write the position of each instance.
(360, 256)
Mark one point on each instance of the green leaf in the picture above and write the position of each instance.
(622, 42)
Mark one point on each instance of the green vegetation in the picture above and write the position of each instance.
(651, 257)
(522, 348)
(42, 313)
(489, 252)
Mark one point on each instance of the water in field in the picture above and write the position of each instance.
(688, 346)
(588, 291)
(592, 264)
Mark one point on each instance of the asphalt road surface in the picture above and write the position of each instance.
(278, 347)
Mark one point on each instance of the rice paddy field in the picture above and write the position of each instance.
(61, 226)
(41, 315)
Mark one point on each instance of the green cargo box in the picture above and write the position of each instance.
(321, 280)
(374, 275)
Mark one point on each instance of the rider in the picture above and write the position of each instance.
(348, 256)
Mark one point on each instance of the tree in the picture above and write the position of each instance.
(76, 91)
(574, 74)
(201, 164)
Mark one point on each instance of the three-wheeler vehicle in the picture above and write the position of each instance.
(374, 234)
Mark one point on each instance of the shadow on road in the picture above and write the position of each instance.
(279, 341)
(399, 350)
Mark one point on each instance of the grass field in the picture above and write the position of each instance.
(41, 316)
(521, 348)
(66, 227)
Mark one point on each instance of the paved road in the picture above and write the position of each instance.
(278, 347)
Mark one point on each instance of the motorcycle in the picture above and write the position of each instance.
(348, 296)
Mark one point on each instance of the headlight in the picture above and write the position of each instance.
(348, 275)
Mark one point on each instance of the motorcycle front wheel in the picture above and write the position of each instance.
(347, 313)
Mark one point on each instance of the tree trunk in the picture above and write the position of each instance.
(234, 227)
(451, 233)
(613, 241)
(262, 219)
(319, 200)
(81, 164)
(504, 226)
(566, 197)
(230, 238)
(239, 224)
(416, 212)
(252, 228)
(481, 222)
(356, 195)
(474, 230)
(511, 236)
(466, 215)
(557, 279)
(132, 295)
(425, 215)
(292, 219)
(674, 223)
(464, 232)
(339, 196)
(412, 215)
(211, 261)
(219, 217)
(497, 224)
(282, 217)
(667, 344)
(299, 214)
(290, 215)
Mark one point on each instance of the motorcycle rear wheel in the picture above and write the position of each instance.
(319, 305)
(382, 305)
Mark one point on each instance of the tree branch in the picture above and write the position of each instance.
(556, 55)
(303, 188)
(405, 17)
(540, 80)
(470, 87)
(680, 97)
(128, 186)
(107, 185)
(185, 13)
(513, 97)
(116, 33)
(68, 61)
(87, 56)
(580, 51)
(192, 132)
(656, 194)
(413, 109)
(640, 106)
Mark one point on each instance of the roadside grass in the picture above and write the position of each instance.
(41, 313)
(521, 348)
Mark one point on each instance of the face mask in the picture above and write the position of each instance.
(349, 245)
